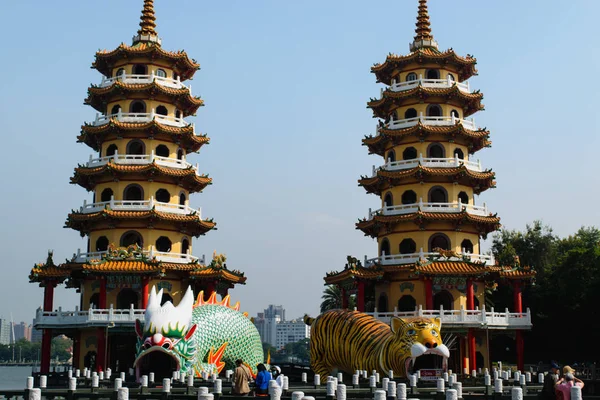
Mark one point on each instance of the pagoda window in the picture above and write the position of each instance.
(131, 237)
(391, 156)
(410, 153)
(459, 153)
(180, 154)
(115, 109)
(111, 150)
(436, 150)
(161, 73)
(94, 300)
(133, 192)
(177, 114)
(439, 240)
(432, 74)
(162, 110)
(463, 197)
(136, 147)
(126, 298)
(476, 304)
(162, 195)
(451, 77)
(385, 247)
(434, 110)
(388, 200)
(409, 197)
(438, 194)
(466, 246)
(185, 245)
(162, 151)
(102, 243)
(166, 297)
(120, 72)
(443, 299)
(163, 243)
(408, 246)
(407, 303)
(382, 303)
(410, 113)
(106, 195)
(137, 106)
(455, 114)
(182, 199)
(140, 69)
(411, 77)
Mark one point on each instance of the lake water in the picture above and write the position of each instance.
(14, 377)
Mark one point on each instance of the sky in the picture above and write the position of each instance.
(286, 85)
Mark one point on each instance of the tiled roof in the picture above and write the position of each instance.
(210, 272)
(39, 273)
(454, 268)
(351, 273)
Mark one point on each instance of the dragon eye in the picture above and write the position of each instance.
(166, 345)
(411, 332)
(434, 333)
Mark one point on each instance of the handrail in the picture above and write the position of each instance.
(102, 119)
(412, 258)
(140, 159)
(430, 162)
(433, 83)
(137, 205)
(141, 79)
(183, 258)
(454, 207)
(428, 120)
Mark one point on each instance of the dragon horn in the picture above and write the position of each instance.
(188, 299)
(152, 299)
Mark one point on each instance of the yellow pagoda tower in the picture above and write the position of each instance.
(139, 224)
(429, 226)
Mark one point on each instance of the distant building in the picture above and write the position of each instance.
(291, 332)
(275, 330)
(36, 334)
(5, 329)
(22, 331)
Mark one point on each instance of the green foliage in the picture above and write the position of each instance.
(332, 299)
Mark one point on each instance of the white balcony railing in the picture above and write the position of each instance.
(140, 159)
(92, 317)
(431, 121)
(465, 318)
(143, 79)
(140, 118)
(178, 258)
(138, 205)
(429, 83)
(430, 163)
(450, 208)
(411, 258)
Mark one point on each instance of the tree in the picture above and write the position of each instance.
(268, 350)
(332, 299)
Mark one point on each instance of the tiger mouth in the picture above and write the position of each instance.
(427, 360)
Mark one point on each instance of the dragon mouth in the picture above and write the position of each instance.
(158, 360)
(427, 360)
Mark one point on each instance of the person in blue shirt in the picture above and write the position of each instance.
(262, 379)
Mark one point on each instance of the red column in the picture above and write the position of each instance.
(145, 282)
(360, 298)
(49, 295)
(210, 287)
(344, 299)
(520, 351)
(46, 348)
(102, 301)
(428, 294)
(470, 295)
(518, 298)
(472, 348)
(76, 349)
(101, 350)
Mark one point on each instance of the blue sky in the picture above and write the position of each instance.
(286, 85)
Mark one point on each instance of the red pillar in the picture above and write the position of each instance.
(520, 351)
(472, 348)
(49, 295)
(76, 349)
(428, 294)
(518, 297)
(210, 287)
(102, 301)
(101, 350)
(344, 299)
(46, 348)
(145, 282)
(360, 298)
(470, 295)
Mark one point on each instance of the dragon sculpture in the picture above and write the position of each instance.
(205, 336)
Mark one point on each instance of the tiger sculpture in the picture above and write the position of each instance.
(342, 340)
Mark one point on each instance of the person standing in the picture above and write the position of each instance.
(548, 392)
(563, 389)
(241, 377)
(262, 380)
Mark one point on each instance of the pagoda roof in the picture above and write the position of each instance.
(88, 177)
(98, 97)
(179, 60)
(217, 272)
(383, 180)
(373, 227)
(190, 223)
(469, 102)
(476, 140)
(94, 136)
(464, 66)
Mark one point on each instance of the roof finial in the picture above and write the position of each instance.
(147, 33)
(423, 37)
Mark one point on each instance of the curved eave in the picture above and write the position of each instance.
(479, 181)
(525, 273)
(464, 65)
(94, 136)
(187, 178)
(352, 274)
(191, 223)
(42, 274)
(98, 97)
(219, 274)
(374, 226)
(106, 60)
(379, 144)
(469, 102)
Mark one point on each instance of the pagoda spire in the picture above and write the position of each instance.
(147, 31)
(423, 37)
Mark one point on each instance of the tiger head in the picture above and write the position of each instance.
(418, 337)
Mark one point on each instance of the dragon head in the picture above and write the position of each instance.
(166, 337)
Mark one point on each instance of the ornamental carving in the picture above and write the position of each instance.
(407, 285)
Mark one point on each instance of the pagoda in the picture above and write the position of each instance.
(429, 226)
(139, 225)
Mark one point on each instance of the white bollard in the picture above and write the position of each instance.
(340, 377)
(377, 377)
(73, 384)
(228, 374)
(122, 376)
(43, 381)
(516, 393)
(380, 395)
(182, 376)
(204, 375)
(419, 374)
(101, 375)
(205, 396)
(528, 377)
(35, 394)
(286, 383)
(500, 365)
(391, 374)
(70, 374)
(108, 374)
(341, 392)
(330, 388)
(487, 380)
(498, 386)
(440, 385)
(522, 380)
(308, 398)
(88, 374)
(175, 375)
(391, 389)
(401, 389)
(144, 381)
(458, 388)
(118, 383)
(95, 381)
(304, 379)
(465, 371)
(29, 383)
(365, 374)
(202, 390)
(317, 380)
(123, 393)
(576, 393)
(446, 377)
(273, 384)
(297, 395)
(412, 380)
(372, 381)
(166, 385)
(190, 380)
(218, 386)
(541, 378)
(355, 380)
(474, 374)
(451, 394)
(517, 377)
(151, 377)
(384, 383)
(276, 395)
(449, 379)
(504, 375)
(496, 376)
